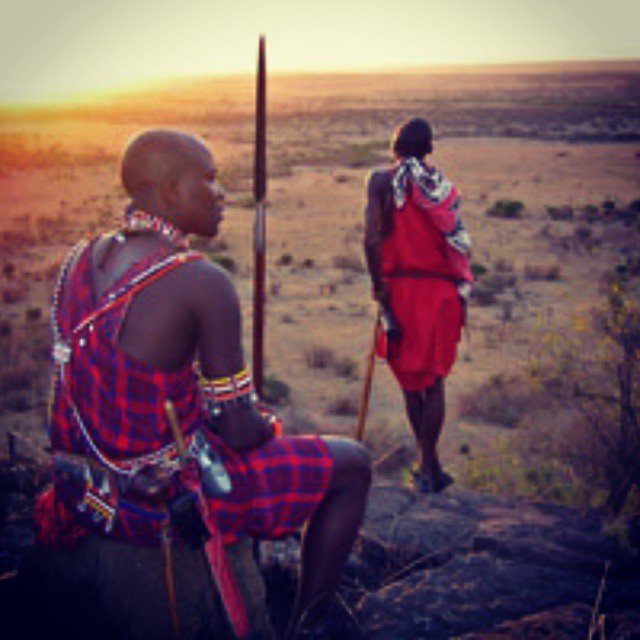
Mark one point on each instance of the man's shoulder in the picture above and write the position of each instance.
(198, 270)
(379, 178)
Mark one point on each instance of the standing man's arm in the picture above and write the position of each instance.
(378, 204)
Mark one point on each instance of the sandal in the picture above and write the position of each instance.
(423, 483)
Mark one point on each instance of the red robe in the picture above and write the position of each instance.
(422, 272)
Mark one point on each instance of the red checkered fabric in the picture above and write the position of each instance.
(121, 400)
(122, 406)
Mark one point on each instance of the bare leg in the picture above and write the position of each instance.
(331, 531)
(433, 420)
(426, 412)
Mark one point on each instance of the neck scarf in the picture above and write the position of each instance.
(436, 196)
(429, 182)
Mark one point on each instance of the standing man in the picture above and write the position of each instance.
(418, 258)
(141, 324)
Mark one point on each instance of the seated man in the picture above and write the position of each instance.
(147, 333)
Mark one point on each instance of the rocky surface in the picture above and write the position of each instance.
(480, 567)
(455, 565)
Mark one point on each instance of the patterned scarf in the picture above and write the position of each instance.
(433, 191)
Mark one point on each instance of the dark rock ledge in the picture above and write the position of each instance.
(456, 565)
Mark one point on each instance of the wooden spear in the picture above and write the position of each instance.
(259, 234)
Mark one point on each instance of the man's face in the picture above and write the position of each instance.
(201, 197)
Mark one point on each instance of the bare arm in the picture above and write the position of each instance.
(219, 346)
(378, 200)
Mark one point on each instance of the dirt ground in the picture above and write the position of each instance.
(59, 180)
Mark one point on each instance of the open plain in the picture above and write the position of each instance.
(548, 136)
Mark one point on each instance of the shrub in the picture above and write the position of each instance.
(319, 357)
(478, 269)
(346, 368)
(592, 378)
(275, 391)
(18, 401)
(483, 296)
(343, 406)
(486, 291)
(549, 273)
(350, 263)
(9, 270)
(560, 213)
(14, 293)
(285, 260)
(361, 155)
(502, 401)
(33, 314)
(508, 209)
(6, 328)
(225, 261)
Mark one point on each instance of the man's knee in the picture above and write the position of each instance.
(351, 463)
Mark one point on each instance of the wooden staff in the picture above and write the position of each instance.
(368, 380)
(259, 234)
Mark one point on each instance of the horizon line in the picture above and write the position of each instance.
(141, 85)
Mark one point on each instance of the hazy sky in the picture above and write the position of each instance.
(49, 48)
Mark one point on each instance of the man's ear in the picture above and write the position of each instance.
(169, 191)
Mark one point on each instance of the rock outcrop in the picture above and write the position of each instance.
(473, 566)
(455, 565)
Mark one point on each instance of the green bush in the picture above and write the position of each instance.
(225, 261)
(343, 406)
(346, 368)
(275, 391)
(319, 357)
(560, 213)
(508, 209)
(478, 269)
(285, 260)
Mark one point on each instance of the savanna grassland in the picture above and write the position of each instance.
(547, 159)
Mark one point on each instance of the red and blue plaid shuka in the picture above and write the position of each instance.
(109, 410)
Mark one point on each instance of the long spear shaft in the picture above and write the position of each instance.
(259, 234)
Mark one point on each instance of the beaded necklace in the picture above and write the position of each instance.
(136, 220)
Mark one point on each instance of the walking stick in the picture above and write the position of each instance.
(368, 379)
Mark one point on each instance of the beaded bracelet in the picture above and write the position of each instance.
(220, 392)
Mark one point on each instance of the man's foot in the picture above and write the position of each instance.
(423, 483)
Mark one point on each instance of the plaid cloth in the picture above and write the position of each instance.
(120, 401)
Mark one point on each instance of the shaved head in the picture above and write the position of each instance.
(154, 156)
